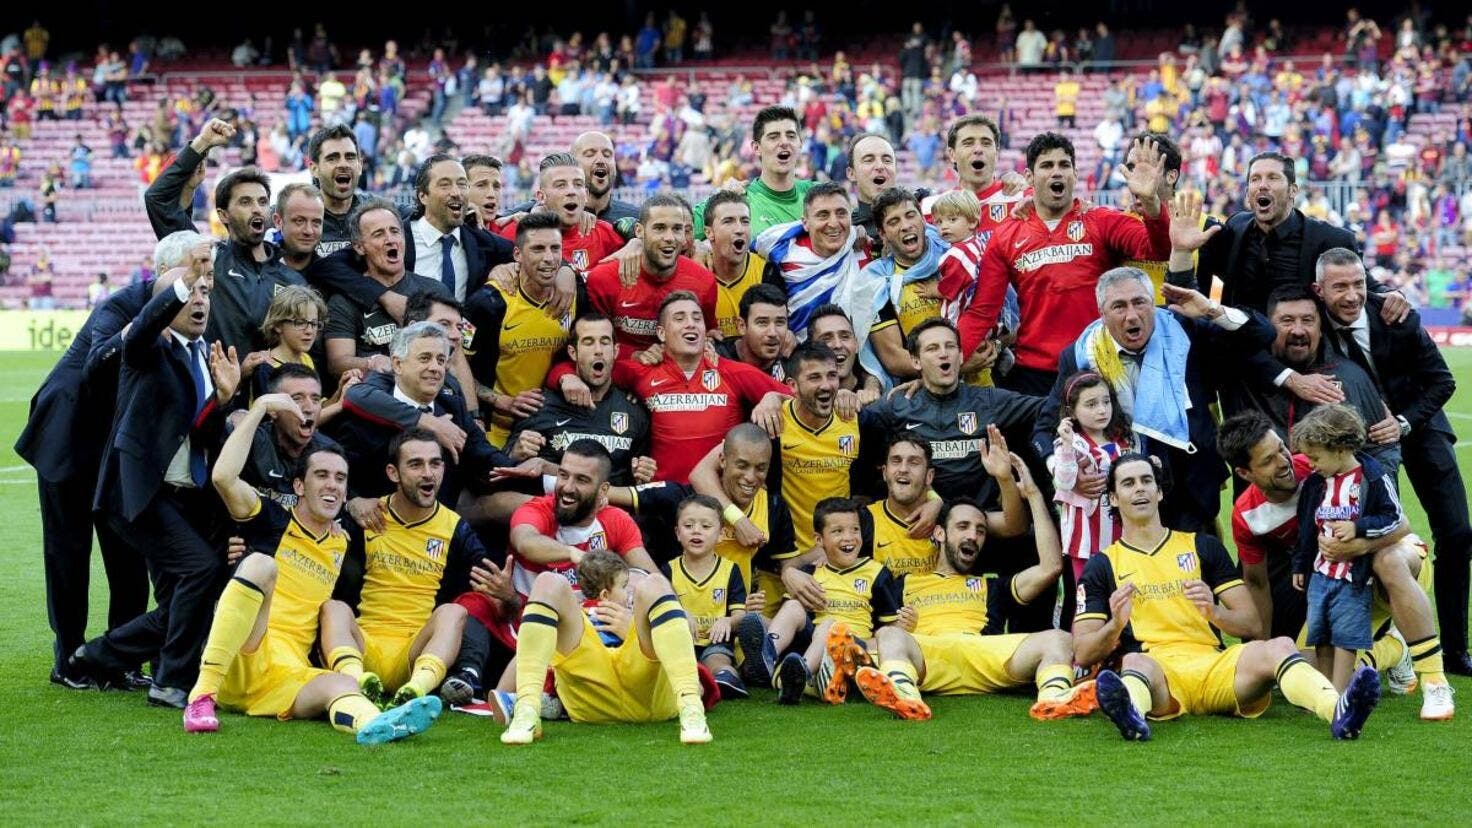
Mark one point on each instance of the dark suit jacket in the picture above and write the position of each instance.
(72, 411)
(1413, 374)
(155, 413)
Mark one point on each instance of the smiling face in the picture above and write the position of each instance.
(827, 221)
(594, 152)
(382, 243)
(682, 329)
(698, 529)
(593, 350)
(447, 194)
(322, 492)
(1270, 466)
(1269, 195)
(539, 255)
(962, 537)
(337, 169)
(1342, 290)
(306, 392)
(841, 539)
(872, 167)
(763, 329)
(815, 382)
(663, 236)
(1129, 313)
(907, 474)
(938, 359)
(1136, 491)
(421, 374)
(838, 334)
(904, 232)
(246, 215)
(564, 191)
(301, 223)
(744, 465)
(485, 190)
(776, 147)
(1053, 177)
(580, 482)
(418, 472)
(1297, 324)
(729, 229)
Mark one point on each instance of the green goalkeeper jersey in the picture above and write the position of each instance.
(768, 207)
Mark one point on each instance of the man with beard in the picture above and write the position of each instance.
(663, 222)
(407, 628)
(336, 166)
(298, 218)
(282, 438)
(617, 421)
(1265, 528)
(594, 153)
(358, 339)
(736, 268)
(1054, 255)
(762, 332)
(562, 192)
(778, 195)
(972, 142)
(513, 338)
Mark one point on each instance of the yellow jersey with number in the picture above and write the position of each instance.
(815, 464)
(893, 546)
(728, 294)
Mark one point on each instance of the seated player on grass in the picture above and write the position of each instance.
(651, 676)
(1164, 597)
(407, 628)
(711, 590)
(944, 612)
(256, 659)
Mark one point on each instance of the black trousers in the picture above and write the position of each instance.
(174, 534)
(66, 528)
(1430, 462)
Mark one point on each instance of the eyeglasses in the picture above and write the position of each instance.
(305, 323)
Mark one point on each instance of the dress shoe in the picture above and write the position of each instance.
(136, 680)
(1458, 663)
(66, 676)
(168, 697)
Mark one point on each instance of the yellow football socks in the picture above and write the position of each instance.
(903, 675)
(1387, 652)
(1054, 681)
(429, 671)
(1426, 660)
(347, 660)
(235, 617)
(536, 642)
(669, 632)
(1306, 687)
(1138, 687)
(350, 712)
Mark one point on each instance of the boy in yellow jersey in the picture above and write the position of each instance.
(710, 590)
(513, 340)
(407, 629)
(736, 268)
(1165, 597)
(257, 657)
(941, 624)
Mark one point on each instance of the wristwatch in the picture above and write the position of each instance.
(1405, 426)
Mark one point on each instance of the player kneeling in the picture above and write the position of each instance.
(649, 676)
(256, 657)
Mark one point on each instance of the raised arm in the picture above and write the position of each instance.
(240, 497)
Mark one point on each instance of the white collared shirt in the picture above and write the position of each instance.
(178, 472)
(427, 254)
(410, 401)
(1359, 328)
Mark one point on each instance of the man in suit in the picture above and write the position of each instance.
(153, 485)
(64, 436)
(1122, 347)
(1416, 384)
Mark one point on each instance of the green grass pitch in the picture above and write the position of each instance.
(108, 758)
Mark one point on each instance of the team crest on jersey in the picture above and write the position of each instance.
(597, 542)
(1079, 597)
(861, 584)
(619, 422)
(337, 560)
(467, 334)
(710, 379)
(580, 259)
(998, 212)
(966, 420)
(973, 584)
(1186, 561)
(717, 594)
(1076, 230)
(846, 444)
(434, 548)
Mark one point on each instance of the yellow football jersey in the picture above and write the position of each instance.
(1161, 614)
(893, 546)
(814, 465)
(864, 595)
(404, 566)
(1157, 270)
(728, 295)
(946, 604)
(708, 599)
(307, 567)
(511, 338)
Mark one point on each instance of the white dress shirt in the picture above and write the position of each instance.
(178, 472)
(427, 252)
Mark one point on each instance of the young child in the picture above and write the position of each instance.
(1092, 431)
(711, 590)
(1347, 496)
(603, 578)
(956, 215)
(861, 597)
(293, 322)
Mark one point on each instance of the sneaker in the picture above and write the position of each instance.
(1114, 700)
(168, 697)
(199, 716)
(879, 689)
(502, 704)
(461, 688)
(759, 658)
(732, 687)
(552, 707)
(842, 657)
(1436, 703)
(1402, 677)
(693, 729)
(402, 721)
(406, 694)
(525, 727)
(1080, 701)
(792, 677)
(371, 686)
(1355, 705)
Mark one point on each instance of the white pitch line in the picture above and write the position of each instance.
(11, 469)
(1457, 415)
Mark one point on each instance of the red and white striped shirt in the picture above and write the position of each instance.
(958, 270)
(1341, 502)
(1085, 524)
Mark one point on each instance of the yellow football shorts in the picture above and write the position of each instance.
(958, 663)
(387, 654)
(1200, 679)
(266, 682)
(601, 685)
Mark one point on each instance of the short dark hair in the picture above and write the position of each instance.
(703, 501)
(949, 506)
(660, 200)
(410, 435)
(891, 197)
(331, 133)
(1288, 170)
(225, 189)
(954, 131)
(593, 450)
(809, 351)
(912, 342)
(770, 114)
(1291, 292)
(1238, 434)
(834, 506)
(590, 316)
(421, 176)
(537, 221)
(826, 310)
(1167, 146)
(286, 371)
(720, 197)
(761, 294)
(673, 297)
(422, 303)
(368, 205)
(474, 160)
(914, 440)
(1161, 481)
(1045, 141)
(823, 190)
(304, 461)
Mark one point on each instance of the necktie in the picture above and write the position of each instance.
(426, 409)
(1351, 349)
(447, 264)
(197, 470)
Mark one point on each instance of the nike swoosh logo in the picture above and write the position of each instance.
(561, 423)
(653, 383)
(911, 426)
(511, 327)
(1124, 575)
(232, 271)
(1018, 244)
(886, 543)
(628, 304)
(786, 447)
(274, 474)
